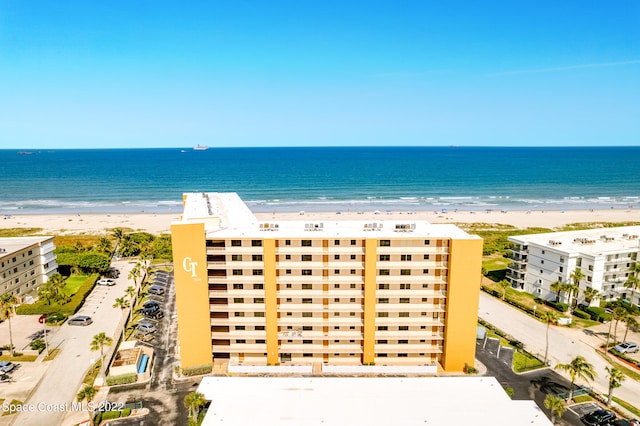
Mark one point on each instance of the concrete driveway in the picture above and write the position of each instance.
(62, 380)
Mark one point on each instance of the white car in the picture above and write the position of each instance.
(626, 348)
(146, 327)
(106, 281)
(6, 366)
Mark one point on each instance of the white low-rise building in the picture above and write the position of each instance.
(25, 264)
(606, 257)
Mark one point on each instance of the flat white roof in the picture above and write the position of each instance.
(367, 401)
(589, 242)
(11, 245)
(236, 219)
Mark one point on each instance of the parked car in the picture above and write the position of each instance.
(5, 378)
(143, 337)
(624, 422)
(106, 281)
(626, 348)
(6, 366)
(598, 418)
(156, 289)
(112, 273)
(146, 328)
(153, 314)
(82, 320)
(43, 318)
(151, 306)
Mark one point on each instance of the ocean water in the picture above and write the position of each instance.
(337, 178)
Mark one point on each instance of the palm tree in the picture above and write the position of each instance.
(616, 377)
(504, 284)
(99, 342)
(88, 393)
(549, 317)
(633, 281)
(630, 322)
(577, 368)
(618, 314)
(56, 283)
(576, 276)
(7, 302)
(556, 287)
(571, 290)
(104, 245)
(193, 402)
(131, 292)
(118, 235)
(123, 304)
(556, 406)
(590, 294)
(606, 345)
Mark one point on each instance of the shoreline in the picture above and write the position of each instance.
(159, 223)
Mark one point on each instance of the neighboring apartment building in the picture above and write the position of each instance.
(605, 256)
(25, 263)
(334, 292)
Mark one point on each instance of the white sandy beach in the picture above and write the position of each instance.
(158, 223)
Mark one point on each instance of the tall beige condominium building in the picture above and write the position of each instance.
(333, 292)
(25, 263)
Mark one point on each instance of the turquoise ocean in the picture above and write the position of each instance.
(323, 179)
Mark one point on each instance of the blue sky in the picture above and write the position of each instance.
(298, 73)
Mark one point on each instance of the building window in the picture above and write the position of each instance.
(257, 272)
(260, 341)
(336, 286)
(385, 243)
(259, 327)
(403, 355)
(306, 258)
(287, 242)
(353, 257)
(307, 314)
(403, 328)
(236, 243)
(256, 243)
(403, 314)
(307, 286)
(336, 243)
(405, 257)
(238, 300)
(353, 272)
(258, 300)
(353, 242)
(236, 257)
(306, 272)
(381, 342)
(241, 341)
(289, 300)
(307, 328)
(383, 314)
(240, 327)
(383, 300)
(425, 271)
(385, 257)
(383, 272)
(336, 300)
(405, 272)
(256, 257)
(288, 285)
(403, 342)
(258, 286)
(435, 315)
(352, 286)
(383, 328)
(287, 257)
(237, 272)
(404, 300)
(307, 300)
(427, 242)
(383, 286)
(238, 314)
(237, 286)
(405, 286)
(336, 271)
(306, 243)
(258, 314)
(426, 257)
(288, 272)
(425, 300)
(336, 257)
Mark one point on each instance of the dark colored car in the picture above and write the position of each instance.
(153, 314)
(151, 306)
(624, 422)
(598, 418)
(156, 289)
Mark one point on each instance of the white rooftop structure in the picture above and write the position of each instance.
(11, 245)
(228, 216)
(364, 401)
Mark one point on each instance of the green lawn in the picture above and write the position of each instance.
(523, 362)
(495, 262)
(627, 406)
(73, 283)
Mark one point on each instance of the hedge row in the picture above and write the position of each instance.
(598, 314)
(67, 309)
(625, 357)
(197, 370)
(122, 379)
(581, 314)
(110, 415)
(562, 307)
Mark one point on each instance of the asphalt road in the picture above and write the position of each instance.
(61, 382)
(564, 343)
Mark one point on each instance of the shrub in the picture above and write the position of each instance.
(97, 418)
(69, 308)
(625, 357)
(126, 412)
(37, 345)
(108, 415)
(197, 370)
(122, 379)
(581, 314)
(562, 307)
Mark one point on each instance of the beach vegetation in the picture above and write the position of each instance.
(19, 232)
(495, 235)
